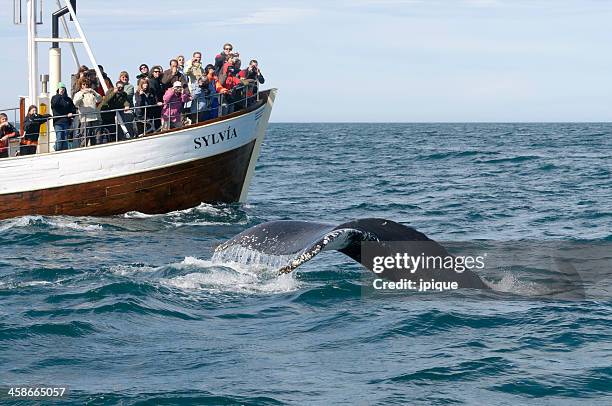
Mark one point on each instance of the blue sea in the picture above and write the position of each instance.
(131, 310)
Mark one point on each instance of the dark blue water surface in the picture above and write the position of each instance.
(130, 309)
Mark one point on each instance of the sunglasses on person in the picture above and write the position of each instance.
(227, 49)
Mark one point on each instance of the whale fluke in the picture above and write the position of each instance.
(287, 244)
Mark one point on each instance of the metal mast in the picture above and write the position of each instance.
(32, 53)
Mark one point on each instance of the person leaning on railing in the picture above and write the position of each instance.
(86, 101)
(31, 130)
(7, 131)
(63, 107)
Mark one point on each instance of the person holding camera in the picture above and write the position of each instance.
(86, 101)
(252, 72)
(173, 103)
(194, 70)
(221, 59)
(116, 99)
(253, 77)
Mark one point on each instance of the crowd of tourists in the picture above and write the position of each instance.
(186, 92)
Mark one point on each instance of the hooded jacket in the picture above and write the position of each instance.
(62, 105)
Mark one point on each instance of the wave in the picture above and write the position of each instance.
(514, 159)
(464, 371)
(202, 215)
(69, 329)
(48, 222)
(456, 154)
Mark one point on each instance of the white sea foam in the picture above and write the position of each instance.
(139, 215)
(25, 284)
(207, 223)
(60, 223)
(33, 283)
(213, 216)
(236, 278)
(71, 225)
(239, 256)
(202, 208)
(511, 284)
(24, 221)
(128, 270)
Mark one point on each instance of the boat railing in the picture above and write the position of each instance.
(12, 112)
(138, 121)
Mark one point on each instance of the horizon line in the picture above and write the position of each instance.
(440, 122)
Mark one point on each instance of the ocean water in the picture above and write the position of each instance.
(131, 310)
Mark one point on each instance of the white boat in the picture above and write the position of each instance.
(209, 161)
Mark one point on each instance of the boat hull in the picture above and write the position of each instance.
(208, 163)
(215, 179)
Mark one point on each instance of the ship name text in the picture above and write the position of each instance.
(215, 138)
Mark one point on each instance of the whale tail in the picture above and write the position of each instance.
(285, 245)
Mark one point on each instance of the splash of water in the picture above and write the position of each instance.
(237, 255)
(229, 277)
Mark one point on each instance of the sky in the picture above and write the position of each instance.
(365, 60)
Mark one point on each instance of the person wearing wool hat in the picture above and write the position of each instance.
(63, 107)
